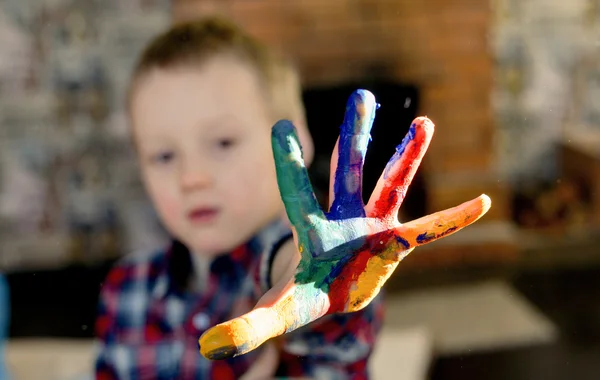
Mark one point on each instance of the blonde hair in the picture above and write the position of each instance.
(194, 42)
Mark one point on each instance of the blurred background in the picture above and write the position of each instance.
(512, 86)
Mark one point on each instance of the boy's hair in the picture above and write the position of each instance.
(194, 42)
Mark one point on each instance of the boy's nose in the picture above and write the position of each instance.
(194, 178)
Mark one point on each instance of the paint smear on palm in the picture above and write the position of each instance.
(348, 253)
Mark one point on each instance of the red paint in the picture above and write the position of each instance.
(394, 189)
(340, 287)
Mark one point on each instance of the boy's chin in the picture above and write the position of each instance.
(212, 246)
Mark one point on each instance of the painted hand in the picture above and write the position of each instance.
(348, 253)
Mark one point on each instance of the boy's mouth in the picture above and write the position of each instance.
(203, 215)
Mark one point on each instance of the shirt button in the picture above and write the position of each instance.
(201, 321)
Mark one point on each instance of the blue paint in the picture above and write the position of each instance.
(354, 139)
(282, 129)
(426, 237)
(410, 136)
(336, 270)
(227, 352)
(403, 241)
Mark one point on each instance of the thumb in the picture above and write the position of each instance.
(279, 311)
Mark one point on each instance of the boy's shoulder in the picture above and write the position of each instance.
(271, 234)
(134, 282)
(138, 266)
(145, 257)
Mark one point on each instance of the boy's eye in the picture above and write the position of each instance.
(226, 143)
(163, 157)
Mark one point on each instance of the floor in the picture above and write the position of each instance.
(570, 299)
(488, 315)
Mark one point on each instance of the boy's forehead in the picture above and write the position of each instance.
(218, 89)
(217, 77)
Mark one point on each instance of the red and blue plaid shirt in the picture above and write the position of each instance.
(150, 319)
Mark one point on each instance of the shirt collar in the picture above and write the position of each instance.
(176, 270)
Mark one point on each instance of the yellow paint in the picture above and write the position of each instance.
(224, 335)
(254, 328)
(439, 222)
(248, 331)
(370, 281)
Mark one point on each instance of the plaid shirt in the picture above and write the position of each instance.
(150, 319)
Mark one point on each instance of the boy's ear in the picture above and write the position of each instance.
(308, 148)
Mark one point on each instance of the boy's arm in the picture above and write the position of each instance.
(114, 359)
(106, 366)
(337, 346)
(348, 252)
(285, 262)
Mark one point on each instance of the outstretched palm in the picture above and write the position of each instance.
(348, 253)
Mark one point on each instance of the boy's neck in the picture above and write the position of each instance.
(201, 264)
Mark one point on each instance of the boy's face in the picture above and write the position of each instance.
(203, 137)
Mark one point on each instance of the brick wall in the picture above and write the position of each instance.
(439, 45)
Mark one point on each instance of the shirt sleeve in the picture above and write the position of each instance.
(107, 346)
(336, 347)
(270, 241)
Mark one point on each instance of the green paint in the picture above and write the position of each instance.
(295, 188)
(310, 270)
(310, 303)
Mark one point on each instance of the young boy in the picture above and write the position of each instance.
(203, 99)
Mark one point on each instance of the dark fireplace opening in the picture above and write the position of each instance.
(325, 108)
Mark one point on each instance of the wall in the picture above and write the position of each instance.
(441, 46)
(548, 81)
(68, 184)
